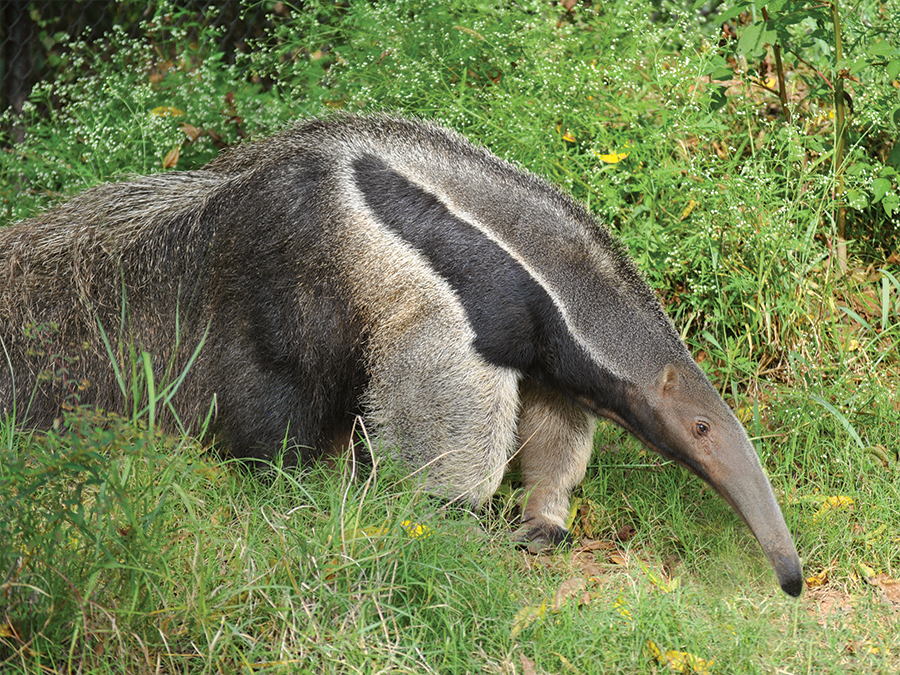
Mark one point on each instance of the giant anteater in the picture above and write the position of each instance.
(382, 268)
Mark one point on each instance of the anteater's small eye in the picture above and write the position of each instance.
(702, 428)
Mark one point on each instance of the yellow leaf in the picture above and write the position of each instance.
(415, 530)
(619, 606)
(866, 570)
(684, 662)
(568, 664)
(680, 662)
(687, 209)
(660, 581)
(835, 503)
(819, 580)
(6, 631)
(167, 111)
(882, 453)
(614, 158)
(574, 507)
(527, 616)
(875, 534)
(568, 137)
(374, 531)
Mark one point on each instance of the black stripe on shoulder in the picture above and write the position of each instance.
(515, 321)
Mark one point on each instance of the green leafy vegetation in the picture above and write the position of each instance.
(757, 190)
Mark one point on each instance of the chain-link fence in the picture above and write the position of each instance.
(34, 33)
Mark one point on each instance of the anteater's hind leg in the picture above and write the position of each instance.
(556, 437)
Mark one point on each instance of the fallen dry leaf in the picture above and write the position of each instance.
(171, 158)
(566, 589)
(527, 616)
(191, 131)
(626, 532)
(593, 545)
(528, 667)
(584, 519)
(889, 587)
(619, 558)
(585, 564)
(826, 602)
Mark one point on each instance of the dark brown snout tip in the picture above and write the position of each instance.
(793, 586)
(790, 575)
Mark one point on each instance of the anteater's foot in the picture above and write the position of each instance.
(543, 537)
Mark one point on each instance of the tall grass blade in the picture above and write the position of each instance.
(114, 362)
(856, 317)
(840, 417)
(151, 389)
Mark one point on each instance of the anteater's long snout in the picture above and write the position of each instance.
(748, 491)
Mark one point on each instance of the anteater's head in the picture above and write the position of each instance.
(680, 415)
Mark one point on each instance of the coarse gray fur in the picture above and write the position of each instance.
(379, 267)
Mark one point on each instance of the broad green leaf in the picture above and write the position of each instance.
(750, 39)
(881, 48)
(880, 186)
(717, 98)
(857, 200)
(728, 14)
(893, 68)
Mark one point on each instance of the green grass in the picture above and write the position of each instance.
(128, 550)
(125, 549)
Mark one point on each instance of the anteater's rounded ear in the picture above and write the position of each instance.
(668, 379)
